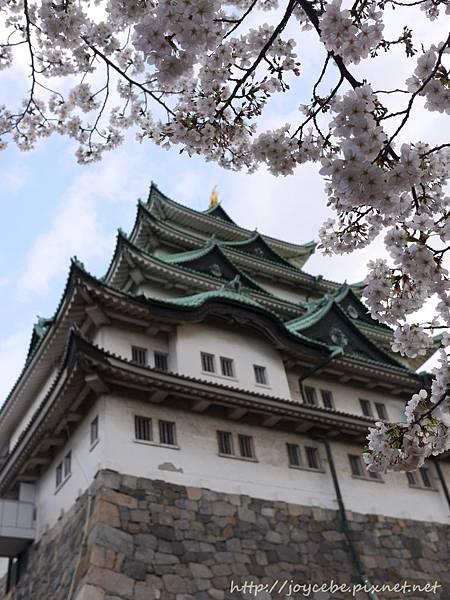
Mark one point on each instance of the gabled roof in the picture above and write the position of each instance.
(40, 328)
(231, 291)
(327, 321)
(149, 230)
(167, 209)
(256, 245)
(212, 260)
(355, 309)
(380, 333)
(127, 257)
(219, 212)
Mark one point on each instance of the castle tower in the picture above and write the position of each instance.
(194, 420)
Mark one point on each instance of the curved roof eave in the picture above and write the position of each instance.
(295, 251)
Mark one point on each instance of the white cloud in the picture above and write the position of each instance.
(79, 225)
(12, 358)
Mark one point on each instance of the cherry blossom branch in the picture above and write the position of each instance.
(123, 74)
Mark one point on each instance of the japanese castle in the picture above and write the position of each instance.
(205, 359)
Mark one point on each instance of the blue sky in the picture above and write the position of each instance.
(51, 208)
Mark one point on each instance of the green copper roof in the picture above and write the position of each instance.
(317, 311)
(231, 291)
(40, 328)
(155, 193)
(261, 244)
(220, 213)
(210, 247)
(188, 255)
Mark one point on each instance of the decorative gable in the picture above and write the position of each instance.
(257, 246)
(218, 212)
(326, 321)
(211, 260)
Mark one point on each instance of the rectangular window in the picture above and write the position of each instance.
(208, 363)
(94, 430)
(310, 396)
(246, 448)
(143, 428)
(161, 361)
(294, 455)
(67, 464)
(411, 477)
(366, 408)
(312, 457)
(59, 474)
(225, 442)
(227, 366)
(381, 411)
(260, 374)
(355, 465)
(167, 433)
(139, 356)
(327, 398)
(426, 479)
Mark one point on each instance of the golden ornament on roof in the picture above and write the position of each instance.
(214, 198)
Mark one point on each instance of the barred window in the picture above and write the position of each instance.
(426, 479)
(246, 448)
(411, 477)
(94, 430)
(294, 455)
(143, 428)
(327, 398)
(67, 464)
(421, 478)
(310, 396)
(366, 407)
(260, 374)
(59, 474)
(208, 362)
(381, 411)
(139, 355)
(312, 456)
(167, 433)
(227, 366)
(225, 442)
(161, 361)
(355, 465)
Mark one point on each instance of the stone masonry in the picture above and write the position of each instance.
(150, 540)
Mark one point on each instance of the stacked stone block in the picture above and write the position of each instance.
(130, 538)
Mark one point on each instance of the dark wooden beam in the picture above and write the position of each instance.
(200, 406)
(270, 421)
(237, 413)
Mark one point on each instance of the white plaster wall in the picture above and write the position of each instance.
(197, 463)
(281, 290)
(32, 408)
(119, 341)
(245, 348)
(3, 566)
(86, 462)
(393, 498)
(346, 396)
(158, 290)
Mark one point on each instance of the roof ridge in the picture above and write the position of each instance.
(154, 187)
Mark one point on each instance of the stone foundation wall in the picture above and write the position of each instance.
(149, 540)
